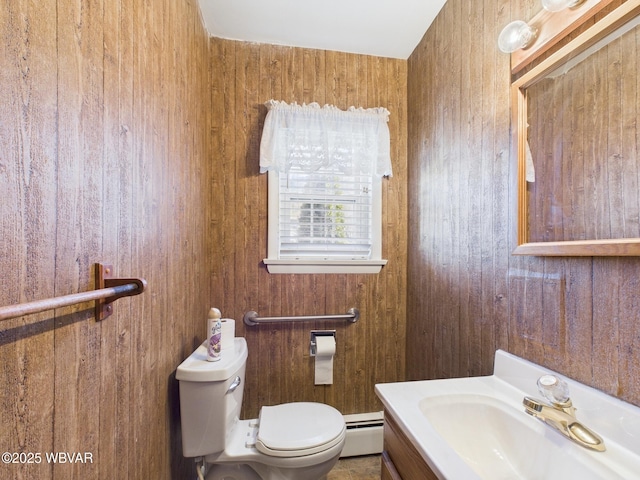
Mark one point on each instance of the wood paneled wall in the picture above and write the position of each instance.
(104, 158)
(244, 76)
(467, 296)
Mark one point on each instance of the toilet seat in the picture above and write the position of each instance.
(299, 429)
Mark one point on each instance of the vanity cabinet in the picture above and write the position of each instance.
(400, 459)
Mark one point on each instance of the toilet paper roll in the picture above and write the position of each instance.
(228, 332)
(325, 350)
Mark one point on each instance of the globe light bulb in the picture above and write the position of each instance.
(559, 5)
(516, 35)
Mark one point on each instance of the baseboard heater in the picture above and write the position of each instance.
(364, 434)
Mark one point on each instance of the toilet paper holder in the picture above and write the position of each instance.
(318, 333)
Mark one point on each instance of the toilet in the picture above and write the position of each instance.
(291, 441)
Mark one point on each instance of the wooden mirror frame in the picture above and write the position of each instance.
(609, 247)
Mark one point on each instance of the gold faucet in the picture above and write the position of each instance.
(560, 413)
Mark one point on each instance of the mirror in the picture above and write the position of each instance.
(578, 137)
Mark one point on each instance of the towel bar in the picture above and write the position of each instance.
(107, 291)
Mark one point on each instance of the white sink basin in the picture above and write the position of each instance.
(471, 428)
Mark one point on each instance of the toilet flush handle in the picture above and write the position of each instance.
(235, 384)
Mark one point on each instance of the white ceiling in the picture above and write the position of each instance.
(384, 28)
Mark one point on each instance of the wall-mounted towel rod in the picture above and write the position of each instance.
(251, 318)
(107, 291)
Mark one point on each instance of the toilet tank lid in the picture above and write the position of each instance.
(196, 368)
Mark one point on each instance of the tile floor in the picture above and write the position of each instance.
(356, 468)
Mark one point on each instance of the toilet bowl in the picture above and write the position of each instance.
(291, 441)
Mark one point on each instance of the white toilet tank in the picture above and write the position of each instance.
(210, 398)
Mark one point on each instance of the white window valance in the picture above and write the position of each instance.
(308, 138)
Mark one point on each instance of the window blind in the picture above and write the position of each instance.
(325, 215)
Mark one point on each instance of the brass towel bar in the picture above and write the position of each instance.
(251, 318)
(107, 291)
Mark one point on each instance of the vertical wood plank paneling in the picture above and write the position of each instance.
(27, 211)
(124, 355)
(396, 208)
(501, 201)
(109, 349)
(605, 333)
(415, 287)
(246, 257)
(143, 201)
(443, 133)
(223, 187)
(470, 119)
(452, 126)
(80, 190)
(160, 198)
(574, 315)
(629, 331)
(280, 368)
(471, 207)
(487, 189)
(105, 147)
(579, 308)
(171, 338)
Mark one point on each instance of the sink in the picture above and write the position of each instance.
(476, 428)
(499, 442)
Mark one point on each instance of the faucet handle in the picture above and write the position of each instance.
(553, 389)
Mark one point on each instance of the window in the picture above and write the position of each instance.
(324, 188)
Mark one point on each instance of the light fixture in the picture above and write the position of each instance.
(516, 35)
(558, 5)
(519, 34)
